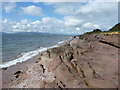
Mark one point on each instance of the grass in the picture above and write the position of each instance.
(110, 33)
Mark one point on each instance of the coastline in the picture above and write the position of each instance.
(7, 73)
(30, 54)
(78, 63)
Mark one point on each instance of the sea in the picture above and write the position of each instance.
(19, 47)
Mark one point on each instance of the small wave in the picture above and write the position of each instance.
(64, 41)
(61, 42)
(28, 55)
(25, 57)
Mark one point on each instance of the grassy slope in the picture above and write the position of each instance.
(114, 30)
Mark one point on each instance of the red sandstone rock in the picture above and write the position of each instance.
(84, 62)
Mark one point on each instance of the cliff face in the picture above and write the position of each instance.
(87, 61)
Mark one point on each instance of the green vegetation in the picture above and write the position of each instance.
(94, 31)
(114, 30)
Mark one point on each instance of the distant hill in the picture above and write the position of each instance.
(94, 31)
(36, 33)
(116, 28)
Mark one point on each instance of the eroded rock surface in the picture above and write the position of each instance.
(84, 62)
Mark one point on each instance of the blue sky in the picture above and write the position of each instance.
(55, 17)
(48, 12)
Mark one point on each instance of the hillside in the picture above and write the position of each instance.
(116, 28)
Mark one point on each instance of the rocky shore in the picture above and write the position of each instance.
(87, 61)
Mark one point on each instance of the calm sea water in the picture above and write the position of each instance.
(14, 45)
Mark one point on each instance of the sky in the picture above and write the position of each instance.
(58, 17)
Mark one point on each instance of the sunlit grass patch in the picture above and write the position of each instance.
(110, 33)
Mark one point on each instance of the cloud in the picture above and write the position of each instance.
(77, 18)
(46, 24)
(90, 25)
(9, 7)
(104, 14)
(72, 21)
(32, 10)
(64, 8)
(24, 21)
(7, 25)
(59, 0)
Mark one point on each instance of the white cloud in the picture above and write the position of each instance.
(32, 10)
(7, 25)
(77, 28)
(36, 22)
(98, 7)
(72, 21)
(5, 21)
(64, 8)
(104, 14)
(24, 21)
(91, 26)
(77, 18)
(47, 24)
(9, 7)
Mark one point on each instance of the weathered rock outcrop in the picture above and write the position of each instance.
(87, 61)
(84, 63)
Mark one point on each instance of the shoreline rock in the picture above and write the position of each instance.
(83, 62)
